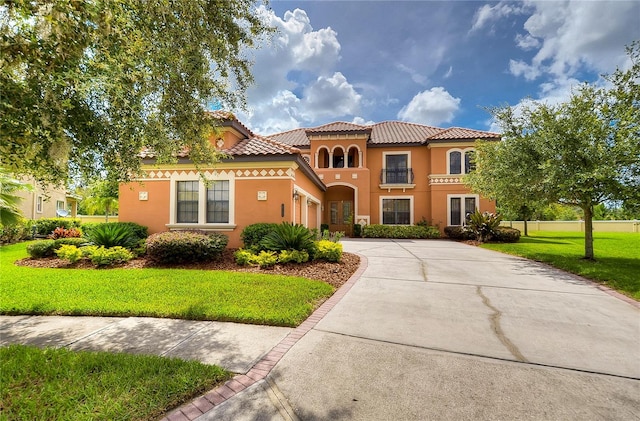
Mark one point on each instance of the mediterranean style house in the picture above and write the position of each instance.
(46, 202)
(336, 174)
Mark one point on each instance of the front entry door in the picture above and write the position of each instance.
(341, 216)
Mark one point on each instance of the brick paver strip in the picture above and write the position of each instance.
(264, 366)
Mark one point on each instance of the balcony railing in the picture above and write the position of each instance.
(396, 176)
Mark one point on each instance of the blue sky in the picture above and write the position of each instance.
(428, 62)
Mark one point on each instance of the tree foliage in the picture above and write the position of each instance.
(85, 85)
(101, 198)
(581, 152)
(9, 201)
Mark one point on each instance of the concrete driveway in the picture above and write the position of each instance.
(437, 330)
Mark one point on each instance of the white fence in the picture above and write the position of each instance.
(577, 226)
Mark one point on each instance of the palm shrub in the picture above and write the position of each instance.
(287, 236)
(483, 224)
(112, 235)
(139, 231)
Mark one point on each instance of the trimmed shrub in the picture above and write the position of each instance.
(112, 235)
(70, 241)
(293, 256)
(46, 226)
(244, 257)
(266, 259)
(288, 236)
(506, 235)
(42, 248)
(357, 230)
(70, 253)
(103, 256)
(328, 250)
(399, 231)
(61, 232)
(185, 246)
(253, 234)
(457, 232)
(324, 227)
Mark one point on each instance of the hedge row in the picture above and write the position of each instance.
(501, 234)
(399, 231)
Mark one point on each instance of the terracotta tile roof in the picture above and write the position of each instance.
(338, 127)
(389, 132)
(295, 137)
(455, 133)
(385, 133)
(259, 145)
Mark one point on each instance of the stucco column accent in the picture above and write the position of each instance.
(331, 159)
(359, 159)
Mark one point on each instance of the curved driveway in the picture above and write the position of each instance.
(443, 330)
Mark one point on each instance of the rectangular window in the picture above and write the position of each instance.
(396, 211)
(334, 212)
(187, 202)
(218, 202)
(397, 169)
(39, 204)
(59, 205)
(460, 208)
(455, 211)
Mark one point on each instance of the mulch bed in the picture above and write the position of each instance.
(334, 274)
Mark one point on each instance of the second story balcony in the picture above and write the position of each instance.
(396, 176)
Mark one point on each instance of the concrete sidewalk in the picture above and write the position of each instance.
(236, 347)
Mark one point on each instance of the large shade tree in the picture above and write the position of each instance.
(85, 85)
(581, 152)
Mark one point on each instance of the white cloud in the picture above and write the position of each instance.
(361, 121)
(416, 76)
(295, 77)
(330, 97)
(449, 73)
(520, 68)
(431, 107)
(527, 42)
(488, 14)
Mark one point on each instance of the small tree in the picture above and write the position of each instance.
(9, 212)
(102, 198)
(582, 152)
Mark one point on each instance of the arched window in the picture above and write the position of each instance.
(469, 165)
(338, 158)
(323, 158)
(455, 162)
(353, 157)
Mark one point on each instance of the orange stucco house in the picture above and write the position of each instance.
(336, 174)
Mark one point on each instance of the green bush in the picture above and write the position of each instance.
(324, 227)
(103, 256)
(185, 246)
(288, 236)
(328, 250)
(42, 248)
(357, 230)
(111, 235)
(458, 232)
(266, 259)
(46, 226)
(244, 257)
(70, 241)
(15, 232)
(399, 231)
(253, 234)
(483, 224)
(290, 256)
(506, 235)
(70, 253)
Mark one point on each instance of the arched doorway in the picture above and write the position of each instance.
(339, 210)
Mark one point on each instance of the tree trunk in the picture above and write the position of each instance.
(526, 230)
(588, 233)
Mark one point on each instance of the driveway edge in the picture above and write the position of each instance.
(263, 367)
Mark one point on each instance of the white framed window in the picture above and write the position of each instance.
(396, 168)
(60, 205)
(459, 207)
(39, 201)
(396, 210)
(199, 205)
(459, 161)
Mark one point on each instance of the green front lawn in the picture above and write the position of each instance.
(48, 384)
(173, 293)
(617, 262)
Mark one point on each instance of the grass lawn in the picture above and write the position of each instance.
(617, 255)
(47, 384)
(173, 293)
